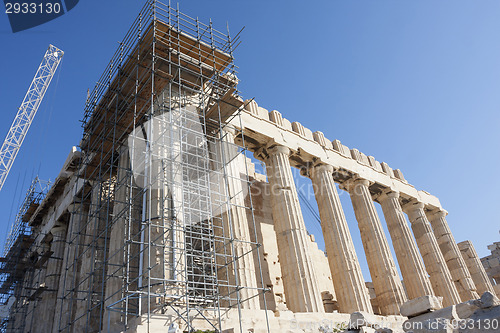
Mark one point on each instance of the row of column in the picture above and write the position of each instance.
(443, 271)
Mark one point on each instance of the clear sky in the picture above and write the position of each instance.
(414, 83)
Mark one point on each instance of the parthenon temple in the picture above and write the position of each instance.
(179, 212)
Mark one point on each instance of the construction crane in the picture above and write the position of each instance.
(27, 110)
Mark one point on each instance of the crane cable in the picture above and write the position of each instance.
(309, 207)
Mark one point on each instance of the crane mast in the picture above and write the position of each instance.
(27, 110)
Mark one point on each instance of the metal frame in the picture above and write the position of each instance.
(17, 271)
(28, 109)
(166, 86)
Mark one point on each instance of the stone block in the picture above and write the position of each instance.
(360, 319)
(355, 154)
(337, 145)
(466, 309)
(298, 128)
(492, 247)
(399, 175)
(488, 300)
(287, 124)
(262, 113)
(251, 106)
(308, 134)
(387, 169)
(421, 305)
(344, 150)
(364, 159)
(276, 117)
(481, 317)
(494, 262)
(319, 137)
(449, 313)
(374, 163)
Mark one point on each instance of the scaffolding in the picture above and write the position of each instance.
(152, 235)
(17, 268)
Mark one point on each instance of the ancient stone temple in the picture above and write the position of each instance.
(160, 221)
(490, 263)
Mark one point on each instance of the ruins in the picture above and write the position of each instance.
(490, 263)
(162, 221)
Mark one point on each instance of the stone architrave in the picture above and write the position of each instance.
(348, 281)
(456, 264)
(475, 267)
(415, 277)
(440, 276)
(386, 281)
(299, 278)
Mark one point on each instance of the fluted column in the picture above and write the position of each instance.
(244, 269)
(89, 256)
(415, 277)
(386, 281)
(456, 264)
(36, 310)
(299, 278)
(475, 267)
(164, 233)
(440, 276)
(116, 263)
(348, 281)
(52, 278)
(67, 294)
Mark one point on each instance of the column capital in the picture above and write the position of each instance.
(412, 206)
(57, 229)
(386, 194)
(274, 149)
(320, 168)
(352, 183)
(438, 213)
(74, 207)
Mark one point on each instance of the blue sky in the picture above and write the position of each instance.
(414, 83)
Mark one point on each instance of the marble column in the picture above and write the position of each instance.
(386, 281)
(88, 254)
(52, 278)
(352, 294)
(164, 252)
(238, 224)
(475, 267)
(416, 279)
(299, 278)
(66, 303)
(34, 319)
(116, 265)
(440, 276)
(456, 264)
